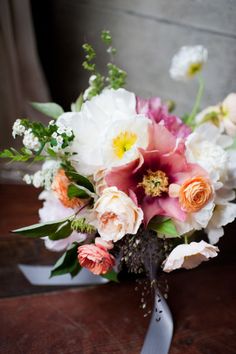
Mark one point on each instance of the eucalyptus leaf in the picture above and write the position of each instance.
(75, 191)
(41, 229)
(50, 109)
(67, 263)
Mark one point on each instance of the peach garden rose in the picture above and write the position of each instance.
(117, 215)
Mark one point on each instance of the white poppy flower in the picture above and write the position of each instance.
(189, 256)
(188, 62)
(108, 131)
(222, 115)
(228, 108)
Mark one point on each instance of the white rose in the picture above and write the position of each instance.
(189, 256)
(117, 215)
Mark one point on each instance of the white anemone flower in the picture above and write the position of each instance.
(188, 62)
(224, 213)
(206, 147)
(54, 210)
(222, 115)
(189, 256)
(108, 131)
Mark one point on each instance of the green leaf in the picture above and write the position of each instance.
(76, 106)
(163, 226)
(76, 177)
(74, 191)
(63, 231)
(112, 275)
(50, 109)
(41, 229)
(106, 37)
(20, 156)
(67, 263)
(51, 152)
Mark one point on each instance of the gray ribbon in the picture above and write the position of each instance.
(40, 275)
(160, 330)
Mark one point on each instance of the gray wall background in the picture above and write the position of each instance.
(147, 34)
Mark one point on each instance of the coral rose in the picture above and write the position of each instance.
(194, 194)
(95, 258)
(117, 215)
(59, 186)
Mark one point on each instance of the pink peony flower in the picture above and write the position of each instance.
(95, 258)
(158, 112)
(150, 176)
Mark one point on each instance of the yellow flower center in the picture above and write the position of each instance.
(155, 183)
(123, 142)
(194, 69)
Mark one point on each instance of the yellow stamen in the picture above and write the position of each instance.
(123, 142)
(194, 69)
(155, 183)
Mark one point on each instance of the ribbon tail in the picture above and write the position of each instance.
(160, 330)
(40, 275)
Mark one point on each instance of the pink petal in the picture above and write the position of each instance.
(161, 139)
(172, 208)
(150, 209)
(123, 176)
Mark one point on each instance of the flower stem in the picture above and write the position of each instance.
(197, 101)
(186, 239)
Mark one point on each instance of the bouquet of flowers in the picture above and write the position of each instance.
(127, 182)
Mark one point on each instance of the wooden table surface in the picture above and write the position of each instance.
(105, 319)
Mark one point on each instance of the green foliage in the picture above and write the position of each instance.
(116, 76)
(163, 226)
(76, 106)
(106, 37)
(40, 229)
(76, 177)
(50, 109)
(89, 51)
(82, 226)
(23, 155)
(96, 83)
(67, 263)
(74, 191)
(64, 230)
(112, 275)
